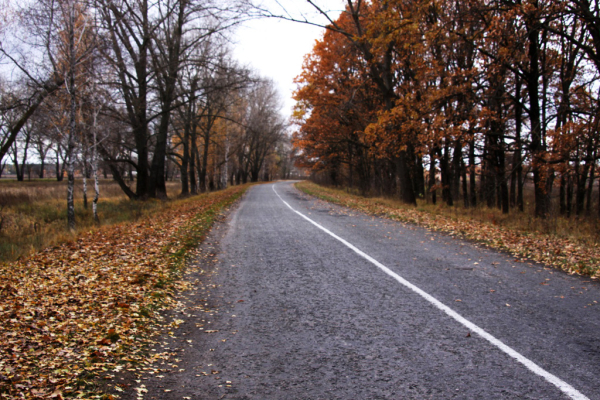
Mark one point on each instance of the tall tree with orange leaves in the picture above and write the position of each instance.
(486, 93)
(335, 103)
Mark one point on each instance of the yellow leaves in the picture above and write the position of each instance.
(87, 305)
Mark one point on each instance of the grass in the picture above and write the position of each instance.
(580, 229)
(33, 214)
(74, 315)
(569, 244)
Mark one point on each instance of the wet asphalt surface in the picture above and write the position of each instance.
(288, 312)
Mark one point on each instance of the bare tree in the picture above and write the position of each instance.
(19, 151)
(148, 47)
(27, 45)
(40, 140)
(264, 126)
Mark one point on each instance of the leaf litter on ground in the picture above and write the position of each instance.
(563, 253)
(72, 314)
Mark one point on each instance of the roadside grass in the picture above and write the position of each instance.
(568, 244)
(33, 214)
(73, 316)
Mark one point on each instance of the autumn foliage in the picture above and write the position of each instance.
(86, 309)
(473, 100)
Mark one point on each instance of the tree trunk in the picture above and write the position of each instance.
(18, 168)
(569, 195)
(226, 165)
(456, 167)
(171, 64)
(542, 203)
(407, 193)
(598, 201)
(488, 176)
(59, 176)
(95, 169)
(85, 199)
(516, 187)
(588, 204)
(465, 185)
(72, 122)
(472, 175)
(501, 174)
(581, 180)
(204, 168)
(445, 172)
(432, 188)
(184, 167)
(419, 178)
(192, 166)
(563, 195)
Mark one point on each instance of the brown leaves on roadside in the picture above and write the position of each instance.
(72, 312)
(560, 253)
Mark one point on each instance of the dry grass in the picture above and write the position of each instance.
(583, 229)
(33, 214)
(44, 190)
(73, 316)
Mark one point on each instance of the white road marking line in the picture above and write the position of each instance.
(530, 365)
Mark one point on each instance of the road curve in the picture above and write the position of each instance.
(301, 314)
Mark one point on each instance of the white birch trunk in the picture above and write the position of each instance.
(95, 170)
(72, 121)
(85, 201)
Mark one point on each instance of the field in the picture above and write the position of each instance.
(76, 314)
(33, 213)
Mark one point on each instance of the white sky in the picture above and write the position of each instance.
(276, 48)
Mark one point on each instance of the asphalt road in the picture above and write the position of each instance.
(291, 312)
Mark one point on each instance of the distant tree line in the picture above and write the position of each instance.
(136, 86)
(470, 100)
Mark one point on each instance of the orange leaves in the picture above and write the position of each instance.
(84, 307)
(336, 100)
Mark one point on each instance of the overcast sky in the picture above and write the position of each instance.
(276, 48)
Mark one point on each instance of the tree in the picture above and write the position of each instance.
(364, 26)
(28, 47)
(263, 126)
(20, 149)
(41, 140)
(486, 92)
(148, 47)
(74, 47)
(336, 101)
